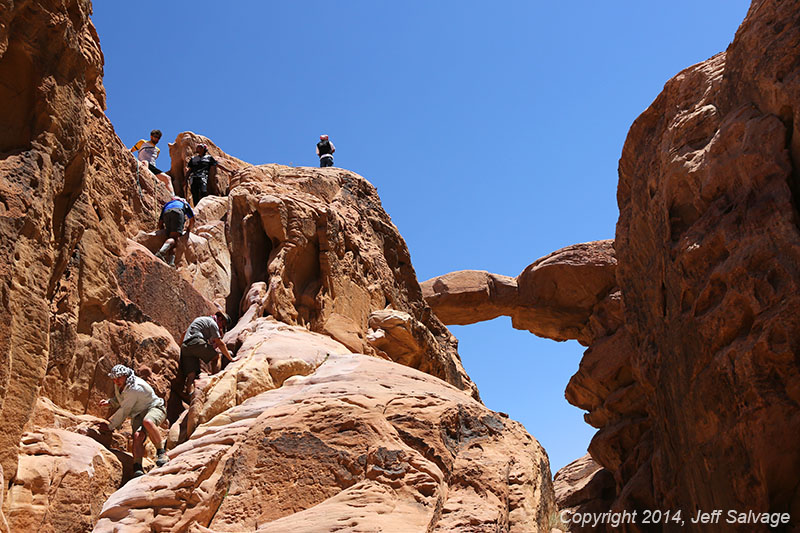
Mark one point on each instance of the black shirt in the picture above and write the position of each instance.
(324, 148)
(199, 165)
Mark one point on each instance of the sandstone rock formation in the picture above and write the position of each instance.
(330, 257)
(347, 402)
(61, 482)
(358, 444)
(692, 375)
(553, 297)
(711, 217)
(581, 487)
(69, 196)
(347, 406)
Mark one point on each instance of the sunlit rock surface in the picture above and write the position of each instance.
(359, 443)
(347, 403)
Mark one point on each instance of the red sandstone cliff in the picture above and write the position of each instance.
(692, 374)
(348, 406)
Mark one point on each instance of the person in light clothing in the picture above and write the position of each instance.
(134, 398)
(148, 153)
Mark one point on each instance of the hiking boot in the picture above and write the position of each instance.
(159, 255)
(171, 261)
(137, 471)
(161, 458)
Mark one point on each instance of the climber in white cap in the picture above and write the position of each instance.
(136, 399)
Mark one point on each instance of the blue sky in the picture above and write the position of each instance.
(491, 130)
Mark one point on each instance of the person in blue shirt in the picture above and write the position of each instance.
(172, 219)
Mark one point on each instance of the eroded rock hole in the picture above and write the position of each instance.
(786, 116)
(17, 92)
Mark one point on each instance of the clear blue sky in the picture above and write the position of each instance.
(492, 130)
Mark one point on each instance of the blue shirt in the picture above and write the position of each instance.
(179, 204)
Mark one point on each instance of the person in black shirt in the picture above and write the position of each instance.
(325, 149)
(199, 169)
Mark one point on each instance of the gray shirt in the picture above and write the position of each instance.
(135, 399)
(202, 328)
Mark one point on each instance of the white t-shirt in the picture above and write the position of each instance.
(148, 151)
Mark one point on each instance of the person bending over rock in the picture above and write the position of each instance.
(134, 398)
(148, 153)
(325, 149)
(173, 217)
(200, 343)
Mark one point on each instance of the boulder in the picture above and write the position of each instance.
(360, 444)
(61, 483)
(583, 486)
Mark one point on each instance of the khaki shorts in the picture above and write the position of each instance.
(156, 415)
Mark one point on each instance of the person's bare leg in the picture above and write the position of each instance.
(166, 247)
(155, 438)
(153, 433)
(188, 386)
(167, 181)
(138, 445)
(138, 451)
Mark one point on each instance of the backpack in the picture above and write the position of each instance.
(324, 147)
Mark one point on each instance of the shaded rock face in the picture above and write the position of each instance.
(583, 486)
(347, 402)
(692, 374)
(711, 217)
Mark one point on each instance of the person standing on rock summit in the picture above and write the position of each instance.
(200, 343)
(172, 219)
(325, 149)
(134, 398)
